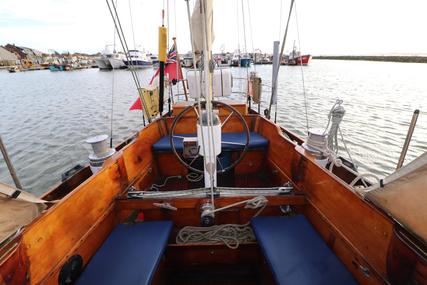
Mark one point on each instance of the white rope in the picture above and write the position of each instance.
(156, 187)
(166, 206)
(329, 147)
(363, 175)
(229, 234)
(194, 177)
(253, 203)
(335, 116)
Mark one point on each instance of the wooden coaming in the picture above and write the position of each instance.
(367, 231)
(354, 260)
(56, 233)
(365, 227)
(13, 269)
(138, 156)
(88, 244)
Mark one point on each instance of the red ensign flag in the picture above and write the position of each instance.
(172, 68)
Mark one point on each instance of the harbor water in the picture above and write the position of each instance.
(45, 117)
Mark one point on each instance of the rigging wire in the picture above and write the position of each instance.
(280, 59)
(122, 38)
(112, 91)
(244, 30)
(176, 48)
(248, 98)
(251, 32)
(112, 109)
(167, 24)
(131, 24)
(238, 29)
(280, 18)
(302, 71)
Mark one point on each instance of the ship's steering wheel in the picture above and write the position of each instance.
(233, 112)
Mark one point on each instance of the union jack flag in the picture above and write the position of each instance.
(171, 68)
(171, 58)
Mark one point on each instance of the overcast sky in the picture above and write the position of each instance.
(360, 27)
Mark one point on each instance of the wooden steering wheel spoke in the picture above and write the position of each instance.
(226, 119)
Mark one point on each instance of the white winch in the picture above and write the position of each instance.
(101, 152)
(317, 144)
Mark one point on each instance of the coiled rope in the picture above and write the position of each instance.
(335, 116)
(328, 146)
(229, 234)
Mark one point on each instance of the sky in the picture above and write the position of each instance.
(326, 27)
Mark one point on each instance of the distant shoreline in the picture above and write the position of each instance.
(409, 59)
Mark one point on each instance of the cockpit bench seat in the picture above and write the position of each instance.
(230, 142)
(130, 255)
(297, 254)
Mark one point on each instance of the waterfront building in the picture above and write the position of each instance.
(7, 58)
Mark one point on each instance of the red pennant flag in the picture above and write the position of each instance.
(136, 106)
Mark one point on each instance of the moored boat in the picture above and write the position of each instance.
(103, 61)
(14, 69)
(295, 58)
(235, 60)
(56, 67)
(138, 59)
(245, 61)
(117, 60)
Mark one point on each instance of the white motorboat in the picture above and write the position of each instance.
(138, 59)
(117, 60)
(103, 62)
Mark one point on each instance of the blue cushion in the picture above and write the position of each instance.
(237, 140)
(130, 255)
(297, 254)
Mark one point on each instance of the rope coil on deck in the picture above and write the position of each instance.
(229, 234)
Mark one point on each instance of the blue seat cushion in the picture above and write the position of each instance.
(297, 254)
(230, 141)
(130, 255)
